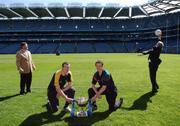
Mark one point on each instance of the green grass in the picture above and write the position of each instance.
(130, 74)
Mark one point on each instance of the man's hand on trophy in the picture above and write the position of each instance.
(69, 100)
(99, 96)
(94, 98)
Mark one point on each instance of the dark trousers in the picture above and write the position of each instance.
(153, 67)
(53, 102)
(110, 97)
(25, 80)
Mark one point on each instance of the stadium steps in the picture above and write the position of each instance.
(93, 46)
(75, 49)
(57, 47)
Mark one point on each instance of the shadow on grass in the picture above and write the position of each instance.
(8, 97)
(45, 118)
(141, 102)
(87, 121)
(41, 119)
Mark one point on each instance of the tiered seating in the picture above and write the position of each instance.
(84, 48)
(89, 47)
(33, 47)
(47, 48)
(66, 47)
(2, 45)
(130, 47)
(145, 45)
(88, 25)
(119, 47)
(103, 47)
(10, 48)
(172, 46)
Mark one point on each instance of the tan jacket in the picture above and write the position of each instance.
(24, 61)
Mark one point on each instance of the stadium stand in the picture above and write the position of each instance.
(94, 32)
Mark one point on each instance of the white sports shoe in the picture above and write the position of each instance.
(118, 103)
(68, 109)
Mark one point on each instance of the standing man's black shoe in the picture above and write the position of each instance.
(28, 91)
(22, 93)
(154, 90)
(157, 86)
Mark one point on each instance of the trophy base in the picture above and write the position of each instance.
(82, 114)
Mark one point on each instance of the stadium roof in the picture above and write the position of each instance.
(89, 11)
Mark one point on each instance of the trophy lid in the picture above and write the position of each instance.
(82, 101)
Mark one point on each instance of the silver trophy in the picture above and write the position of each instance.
(84, 107)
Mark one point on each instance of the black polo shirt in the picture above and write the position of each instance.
(105, 79)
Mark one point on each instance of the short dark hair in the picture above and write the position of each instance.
(99, 62)
(65, 63)
(22, 44)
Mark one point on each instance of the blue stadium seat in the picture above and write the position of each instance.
(84, 47)
(66, 47)
(103, 47)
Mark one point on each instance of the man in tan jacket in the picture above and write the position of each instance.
(25, 67)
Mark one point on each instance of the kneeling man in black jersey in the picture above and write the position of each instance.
(60, 86)
(106, 87)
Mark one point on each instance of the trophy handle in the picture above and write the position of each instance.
(89, 112)
(73, 108)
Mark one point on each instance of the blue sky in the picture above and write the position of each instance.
(84, 2)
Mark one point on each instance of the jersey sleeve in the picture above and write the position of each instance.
(147, 51)
(70, 78)
(106, 78)
(94, 79)
(56, 78)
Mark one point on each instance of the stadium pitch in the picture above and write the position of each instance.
(131, 77)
